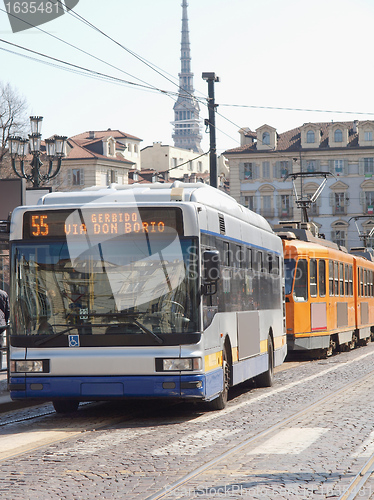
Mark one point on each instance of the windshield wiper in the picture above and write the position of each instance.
(54, 336)
(133, 316)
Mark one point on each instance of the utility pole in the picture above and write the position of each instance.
(211, 78)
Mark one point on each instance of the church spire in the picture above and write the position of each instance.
(186, 109)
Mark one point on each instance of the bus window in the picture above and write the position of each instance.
(341, 279)
(289, 271)
(322, 277)
(249, 258)
(313, 277)
(300, 291)
(260, 259)
(239, 256)
(226, 253)
(331, 278)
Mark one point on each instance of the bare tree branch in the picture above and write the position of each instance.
(13, 116)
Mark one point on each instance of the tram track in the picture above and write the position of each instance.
(145, 423)
(351, 492)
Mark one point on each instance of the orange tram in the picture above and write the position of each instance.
(329, 294)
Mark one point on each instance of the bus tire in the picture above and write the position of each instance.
(266, 379)
(65, 405)
(220, 402)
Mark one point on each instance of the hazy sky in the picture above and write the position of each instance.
(268, 53)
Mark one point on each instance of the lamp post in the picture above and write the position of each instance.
(54, 149)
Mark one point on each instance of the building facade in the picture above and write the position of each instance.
(98, 158)
(260, 169)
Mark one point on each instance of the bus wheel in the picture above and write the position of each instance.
(65, 405)
(220, 402)
(266, 379)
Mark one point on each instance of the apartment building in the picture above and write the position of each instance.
(260, 169)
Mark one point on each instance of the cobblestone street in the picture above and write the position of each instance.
(299, 439)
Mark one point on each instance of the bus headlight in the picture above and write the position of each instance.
(29, 366)
(178, 364)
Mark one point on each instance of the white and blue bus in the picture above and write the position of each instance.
(142, 291)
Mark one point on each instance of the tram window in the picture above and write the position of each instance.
(313, 277)
(351, 281)
(331, 278)
(365, 283)
(346, 279)
(289, 273)
(361, 282)
(341, 279)
(322, 277)
(301, 281)
(336, 277)
(226, 253)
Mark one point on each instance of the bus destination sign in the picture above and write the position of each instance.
(101, 222)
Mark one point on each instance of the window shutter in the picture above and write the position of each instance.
(278, 201)
(290, 167)
(333, 235)
(69, 176)
(332, 166)
(318, 164)
(362, 197)
(346, 167)
(361, 166)
(81, 176)
(256, 171)
(254, 203)
(319, 201)
(332, 199)
(241, 171)
(346, 199)
(242, 200)
(276, 170)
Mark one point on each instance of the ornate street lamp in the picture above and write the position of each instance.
(54, 148)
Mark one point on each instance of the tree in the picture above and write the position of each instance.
(13, 115)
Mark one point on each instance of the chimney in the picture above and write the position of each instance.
(91, 134)
(193, 177)
(355, 123)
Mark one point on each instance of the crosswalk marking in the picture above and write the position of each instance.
(290, 441)
(194, 443)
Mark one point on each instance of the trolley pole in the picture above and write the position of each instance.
(211, 78)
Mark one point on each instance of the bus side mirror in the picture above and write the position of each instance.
(211, 262)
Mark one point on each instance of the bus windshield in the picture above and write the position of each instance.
(125, 285)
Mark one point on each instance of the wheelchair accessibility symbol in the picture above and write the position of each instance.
(73, 340)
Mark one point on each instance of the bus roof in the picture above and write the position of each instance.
(159, 193)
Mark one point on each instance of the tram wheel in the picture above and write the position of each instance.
(266, 379)
(353, 343)
(220, 402)
(65, 405)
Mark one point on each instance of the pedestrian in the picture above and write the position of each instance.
(4, 310)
